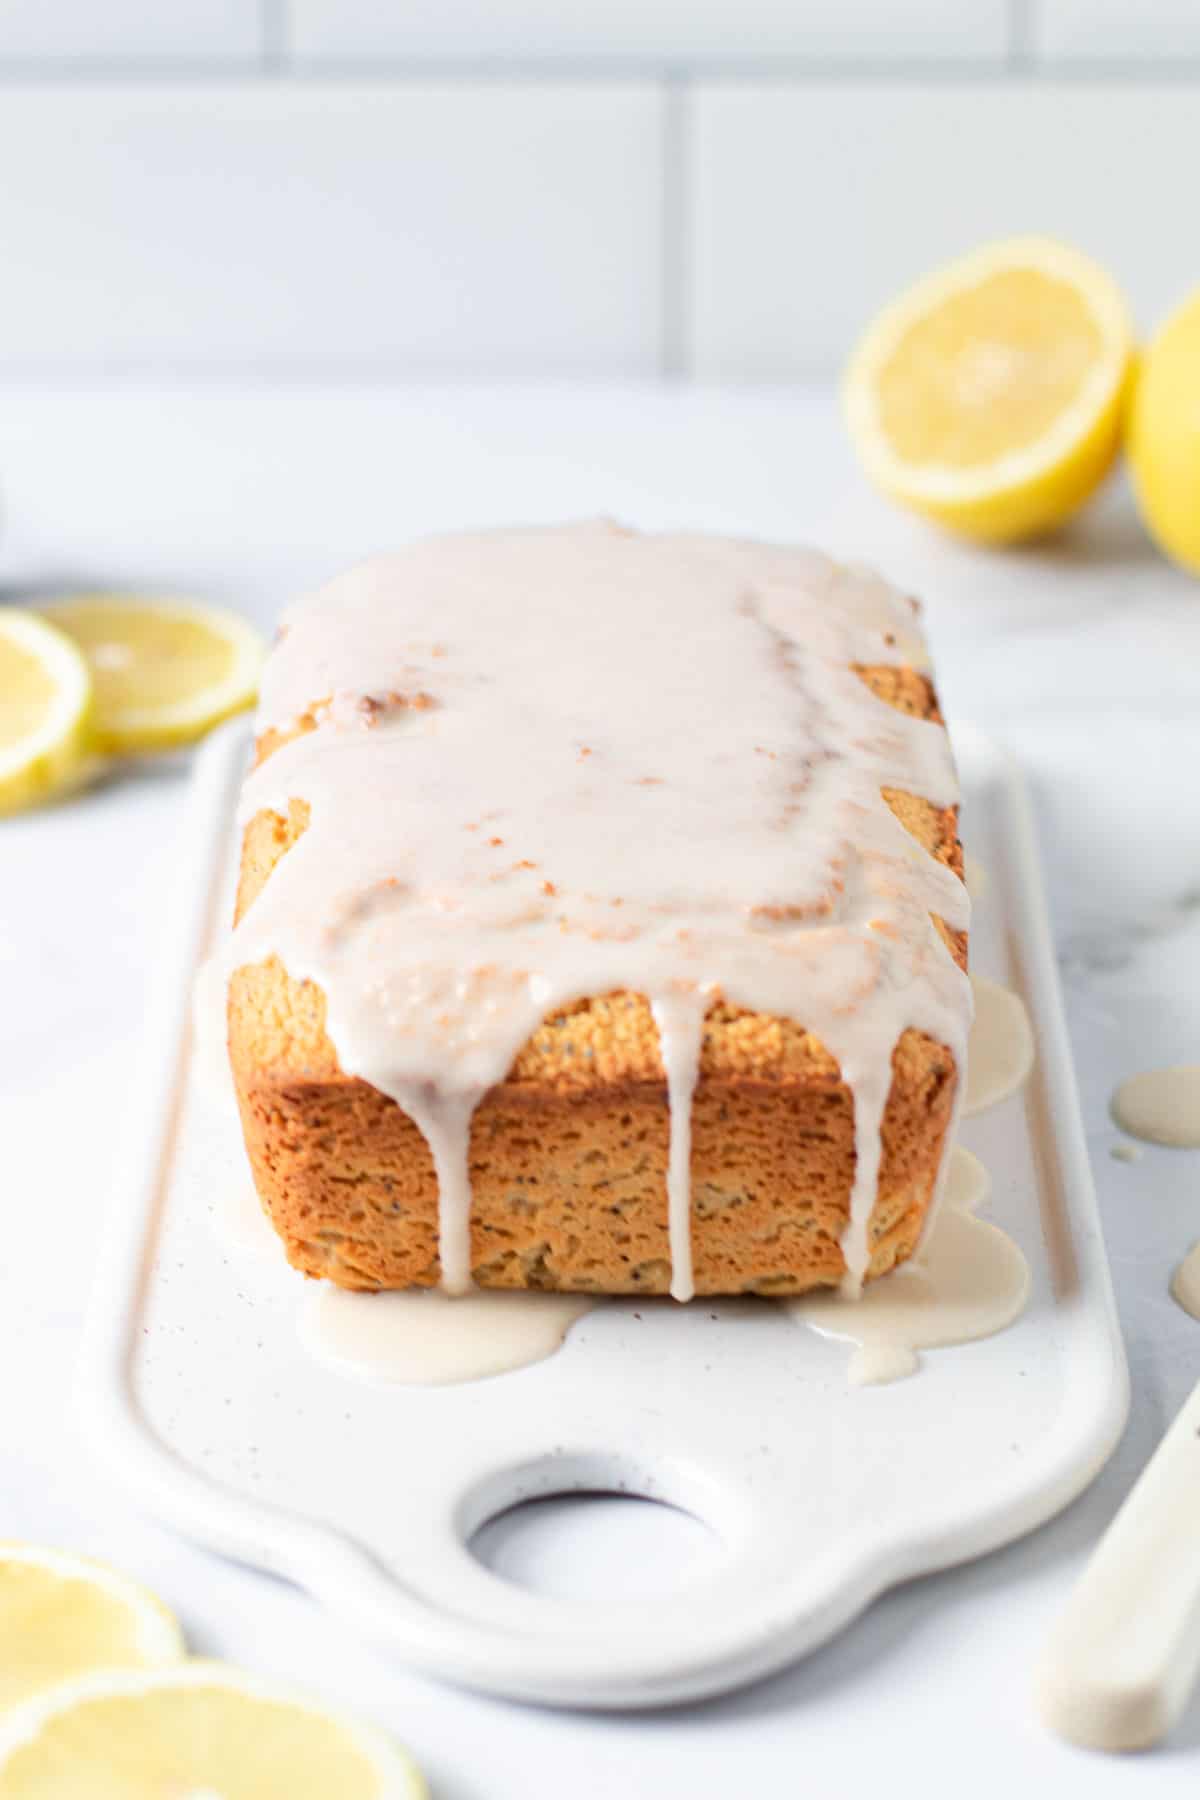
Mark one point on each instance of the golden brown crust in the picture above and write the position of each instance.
(569, 1153)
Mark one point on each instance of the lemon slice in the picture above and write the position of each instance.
(45, 710)
(61, 1615)
(989, 396)
(198, 1731)
(165, 671)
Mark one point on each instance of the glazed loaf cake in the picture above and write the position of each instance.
(600, 924)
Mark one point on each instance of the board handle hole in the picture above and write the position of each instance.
(593, 1529)
(597, 1547)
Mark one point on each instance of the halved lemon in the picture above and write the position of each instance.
(989, 396)
(192, 1731)
(46, 706)
(165, 671)
(1163, 439)
(62, 1615)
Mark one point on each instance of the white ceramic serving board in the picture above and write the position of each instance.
(194, 1384)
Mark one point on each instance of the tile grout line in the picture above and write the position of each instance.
(1020, 64)
(674, 348)
(273, 36)
(1021, 59)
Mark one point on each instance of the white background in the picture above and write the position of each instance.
(717, 188)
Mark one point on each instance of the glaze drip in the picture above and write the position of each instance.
(680, 1021)
(555, 764)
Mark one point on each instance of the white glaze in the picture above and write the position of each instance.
(429, 1339)
(1000, 1054)
(1185, 1283)
(563, 763)
(1162, 1106)
(680, 1021)
(969, 1281)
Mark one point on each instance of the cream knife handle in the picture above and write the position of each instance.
(1125, 1655)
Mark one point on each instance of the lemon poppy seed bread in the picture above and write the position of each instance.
(489, 826)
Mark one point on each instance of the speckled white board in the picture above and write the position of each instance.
(195, 1388)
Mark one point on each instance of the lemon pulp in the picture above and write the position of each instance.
(46, 710)
(989, 396)
(61, 1615)
(197, 1729)
(164, 671)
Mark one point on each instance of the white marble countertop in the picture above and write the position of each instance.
(1084, 656)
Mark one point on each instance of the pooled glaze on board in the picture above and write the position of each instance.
(559, 763)
(968, 1281)
(1161, 1106)
(1000, 1052)
(422, 1338)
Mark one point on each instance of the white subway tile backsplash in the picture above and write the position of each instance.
(130, 31)
(1131, 31)
(423, 226)
(811, 204)
(673, 32)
